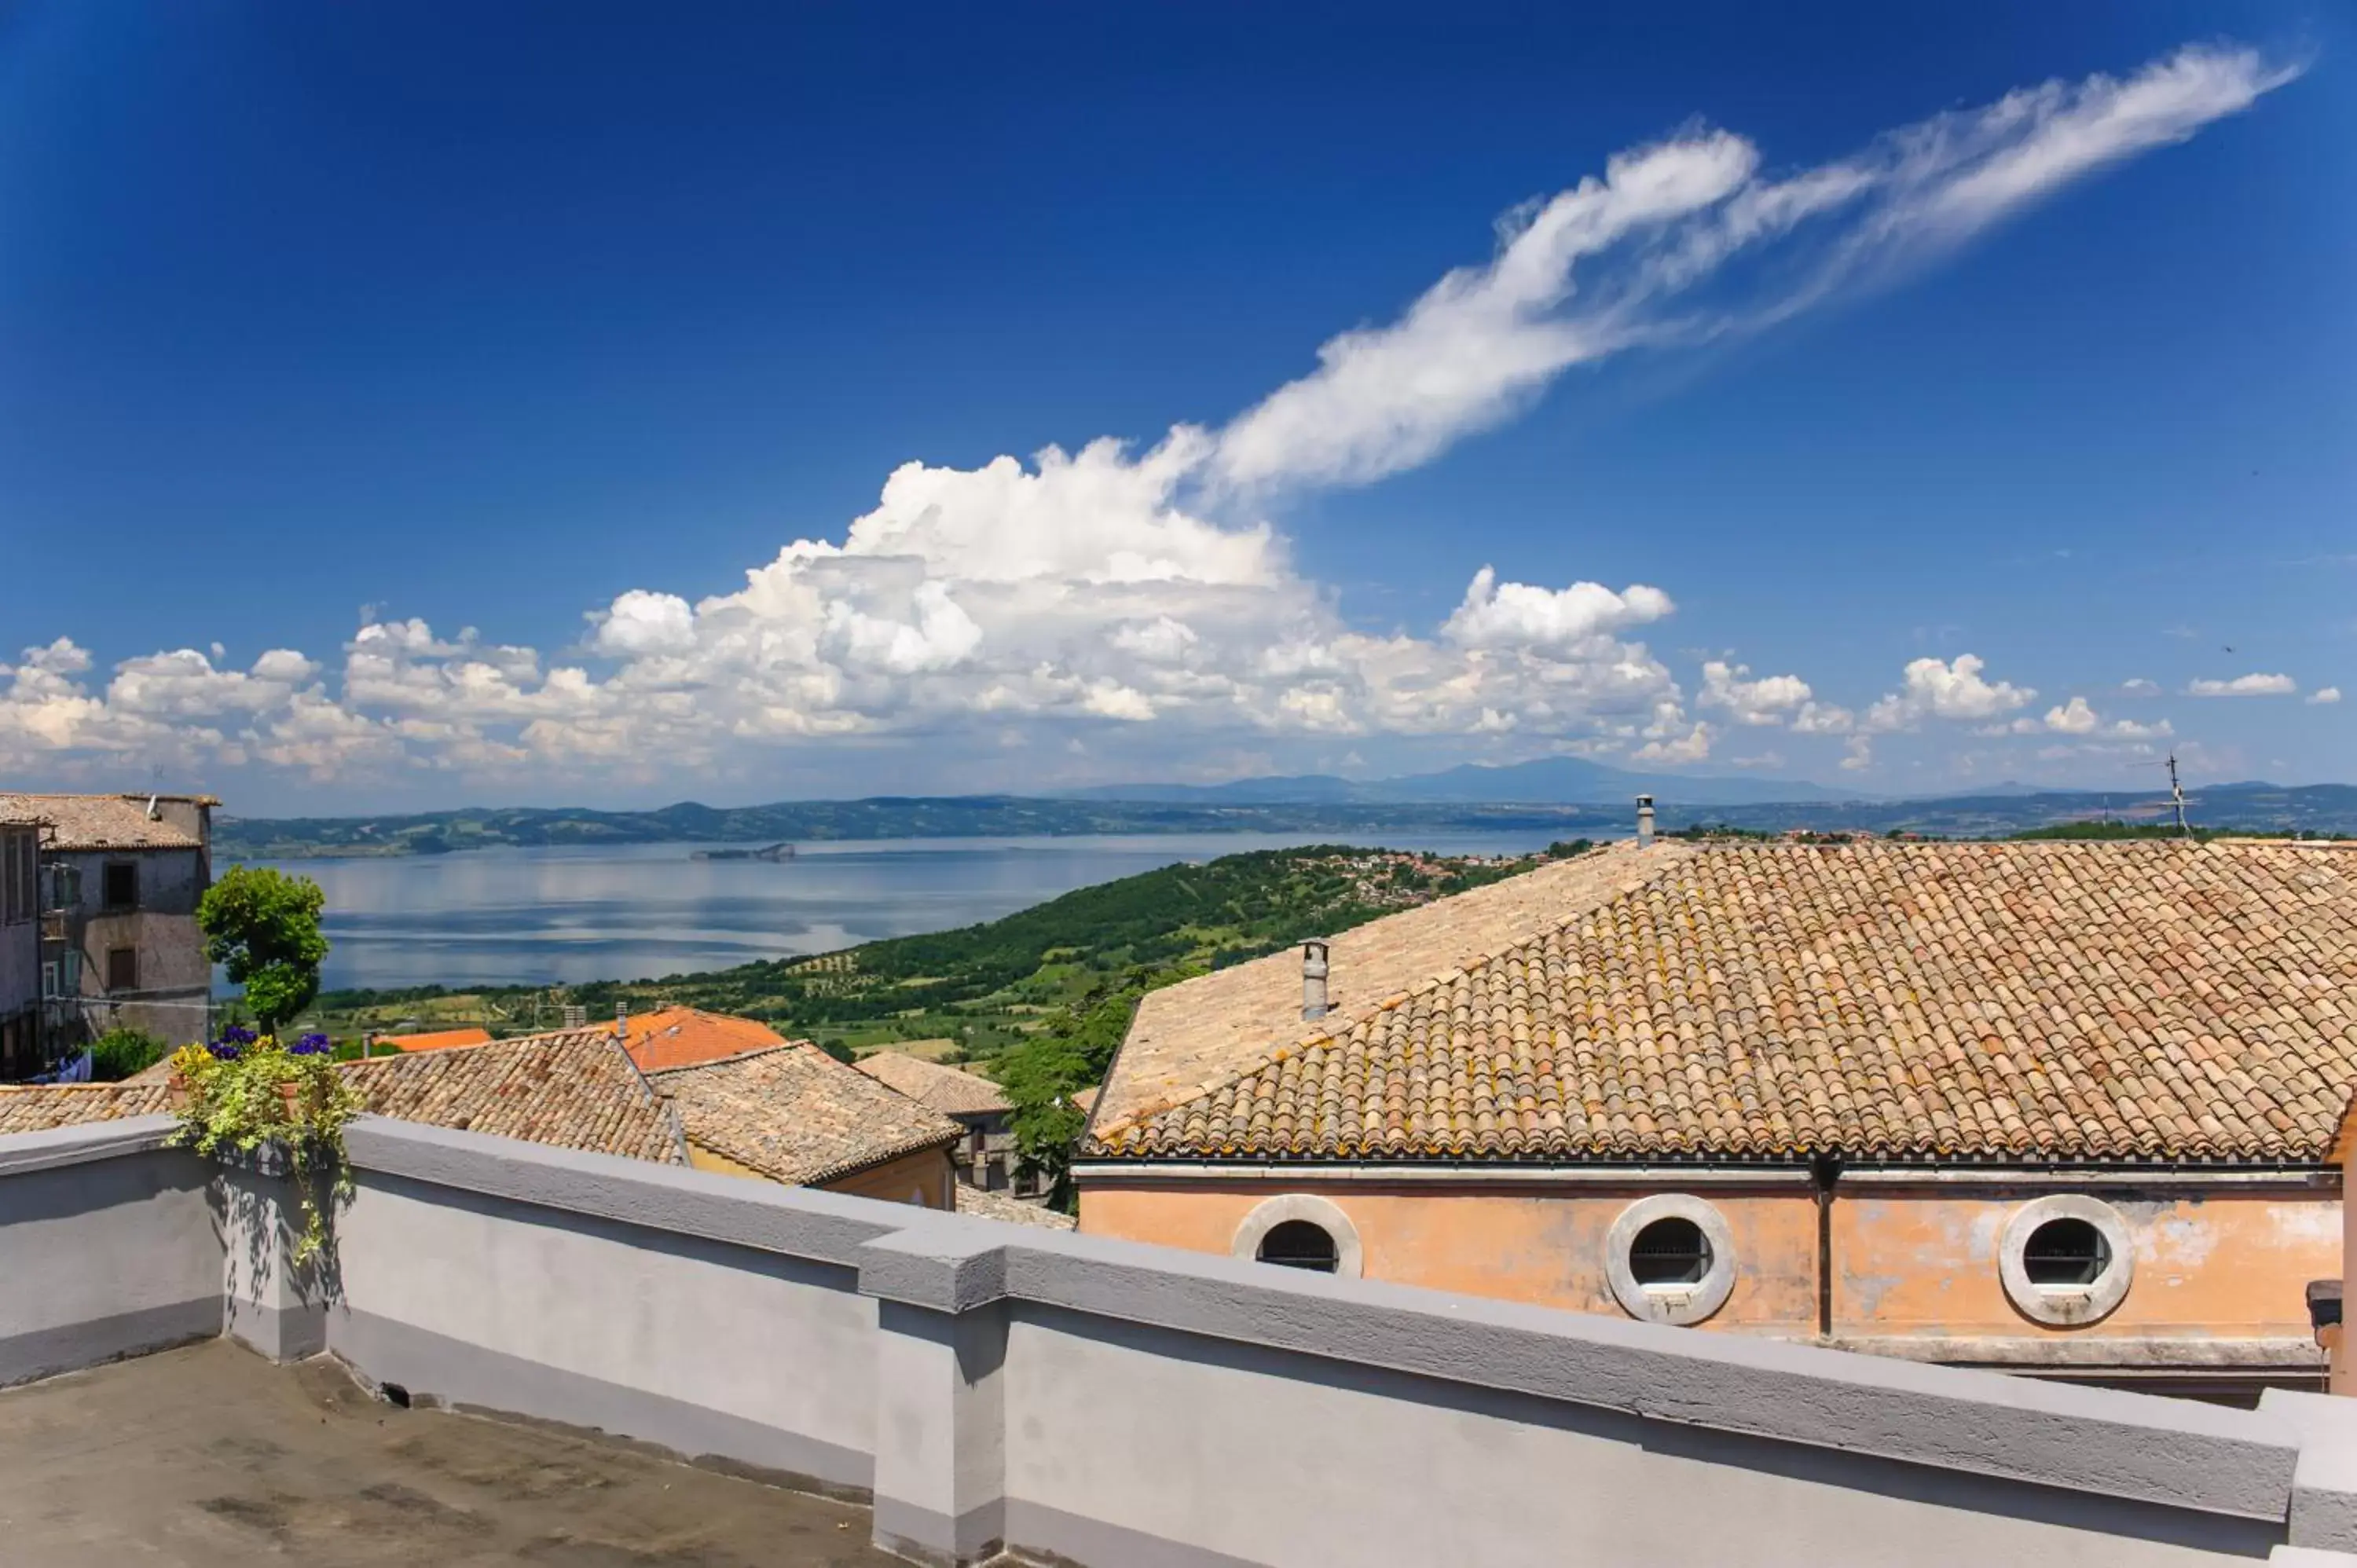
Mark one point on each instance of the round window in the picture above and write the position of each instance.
(1669, 1253)
(1670, 1258)
(2066, 1261)
(1299, 1231)
(1299, 1244)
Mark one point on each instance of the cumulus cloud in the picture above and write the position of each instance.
(1140, 588)
(2139, 687)
(2325, 695)
(2244, 686)
(1939, 689)
(1762, 702)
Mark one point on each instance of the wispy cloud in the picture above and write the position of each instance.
(2253, 686)
(1123, 591)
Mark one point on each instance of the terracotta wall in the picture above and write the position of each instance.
(1918, 1263)
(2231, 1263)
(1544, 1248)
(928, 1172)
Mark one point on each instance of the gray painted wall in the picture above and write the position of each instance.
(1111, 1404)
(109, 1246)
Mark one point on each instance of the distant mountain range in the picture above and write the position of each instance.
(1562, 797)
(1555, 780)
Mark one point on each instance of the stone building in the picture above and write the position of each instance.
(2071, 1109)
(121, 876)
(20, 945)
(988, 1158)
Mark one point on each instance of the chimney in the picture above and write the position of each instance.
(622, 1022)
(1313, 979)
(1644, 821)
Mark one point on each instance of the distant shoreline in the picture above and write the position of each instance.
(2321, 809)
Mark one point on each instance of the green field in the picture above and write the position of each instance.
(1037, 1000)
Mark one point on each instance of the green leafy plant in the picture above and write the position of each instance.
(118, 1053)
(262, 926)
(244, 1090)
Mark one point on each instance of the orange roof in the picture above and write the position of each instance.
(685, 1037)
(437, 1039)
(2076, 1001)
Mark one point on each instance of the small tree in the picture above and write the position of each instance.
(262, 926)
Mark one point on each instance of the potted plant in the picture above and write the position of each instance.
(244, 1090)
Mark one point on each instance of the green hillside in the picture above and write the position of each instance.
(1038, 999)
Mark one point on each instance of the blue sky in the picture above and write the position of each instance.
(395, 399)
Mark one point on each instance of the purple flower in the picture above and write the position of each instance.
(313, 1045)
(226, 1049)
(238, 1035)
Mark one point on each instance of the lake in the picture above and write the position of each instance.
(538, 917)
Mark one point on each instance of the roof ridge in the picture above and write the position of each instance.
(1391, 1002)
(727, 1060)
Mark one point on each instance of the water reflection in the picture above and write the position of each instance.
(638, 911)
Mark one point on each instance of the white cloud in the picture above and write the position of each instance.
(1937, 688)
(1139, 591)
(2325, 695)
(2139, 687)
(1692, 747)
(2074, 718)
(2244, 686)
(2129, 729)
(1857, 754)
(1759, 702)
(1824, 718)
(1515, 614)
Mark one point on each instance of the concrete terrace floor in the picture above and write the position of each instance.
(210, 1458)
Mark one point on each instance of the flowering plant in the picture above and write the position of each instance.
(242, 1090)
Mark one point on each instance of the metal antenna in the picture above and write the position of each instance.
(2177, 796)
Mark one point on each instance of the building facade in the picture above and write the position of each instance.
(121, 876)
(2068, 1108)
(988, 1158)
(21, 1051)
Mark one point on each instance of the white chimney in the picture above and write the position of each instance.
(1313, 979)
(1644, 821)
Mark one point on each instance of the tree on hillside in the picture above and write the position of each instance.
(1072, 1052)
(262, 926)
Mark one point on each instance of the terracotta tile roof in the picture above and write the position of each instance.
(437, 1039)
(39, 1107)
(683, 1037)
(795, 1114)
(575, 1089)
(1203, 1032)
(947, 1090)
(2071, 1002)
(1014, 1210)
(101, 821)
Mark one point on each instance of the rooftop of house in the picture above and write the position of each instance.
(987, 1205)
(41, 1107)
(2069, 1001)
(683, 1037)
(104, 822)
(239, 1461)
(950, 1090)
(795, 1114)
(571, 1090)
(437, 1039)
(790, 1112)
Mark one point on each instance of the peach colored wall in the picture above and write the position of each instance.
(1918, 1263)
(1544, 1248)
(896, 1181)
(2234, 1263)
(927, 1172)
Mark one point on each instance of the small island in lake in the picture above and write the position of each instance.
(767, 852)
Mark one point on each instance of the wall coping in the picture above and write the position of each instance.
(2175, 1452)
(24, 1152)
